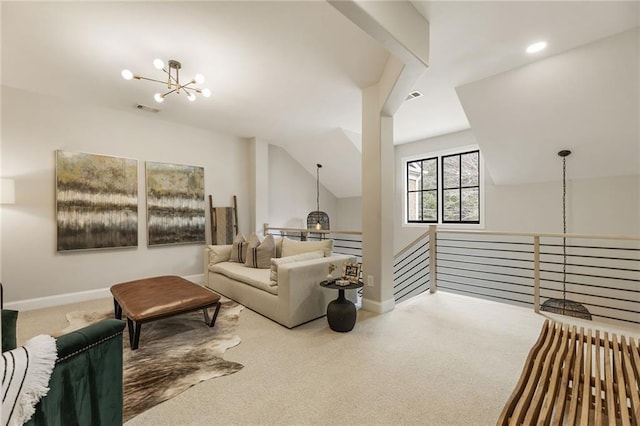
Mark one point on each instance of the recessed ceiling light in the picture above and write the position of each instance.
(536, 47)
(413, 95)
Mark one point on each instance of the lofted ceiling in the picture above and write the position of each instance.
(290, 73)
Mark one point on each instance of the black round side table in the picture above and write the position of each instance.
(341, 313)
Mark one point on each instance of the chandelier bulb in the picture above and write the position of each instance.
(127, 75)
(206, 93)
(191, 97)
(158, 97)
(199, 78)
(158, 64)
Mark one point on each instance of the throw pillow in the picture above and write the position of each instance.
(291, 247)
(259, 254)
(275, 263)
(279, 241)
(238, 249)
(219, 253)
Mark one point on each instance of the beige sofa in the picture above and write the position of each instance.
(287, 292)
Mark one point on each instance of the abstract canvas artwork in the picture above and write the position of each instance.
(175, 204)
(96, 201)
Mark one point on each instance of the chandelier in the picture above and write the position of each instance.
(172, 81)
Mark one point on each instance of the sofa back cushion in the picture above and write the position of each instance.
(278, 241)
(318, 254)
(259, 254)
(292, 247)
(219, 253)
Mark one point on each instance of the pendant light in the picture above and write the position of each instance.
(564, 306)
(317, 219)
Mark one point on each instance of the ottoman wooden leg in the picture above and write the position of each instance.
(215, 315)
(117, 309)
(134, 333)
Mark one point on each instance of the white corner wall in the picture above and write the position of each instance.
(292, 192)
(349, 217)
(609, 205)
(34, 127)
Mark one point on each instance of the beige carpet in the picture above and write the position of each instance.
(175, 353)
(435, 360)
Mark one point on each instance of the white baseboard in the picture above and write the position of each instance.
(378, 307)
(81, 296)
(198, 279)
(59, 299)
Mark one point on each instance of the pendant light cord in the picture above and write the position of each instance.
(318, 187)
(564, 228)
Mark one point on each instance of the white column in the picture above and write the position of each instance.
(259, 184)
(405, 34)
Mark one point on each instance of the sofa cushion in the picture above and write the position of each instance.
(259, 254)
(290, 259)
(238, 249)
(291, 247)
(219, 253)
(254, 277)
(279, 241)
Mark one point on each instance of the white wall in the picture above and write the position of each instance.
(34, 127)
(349, 217)
(292, 192)
(608, 205)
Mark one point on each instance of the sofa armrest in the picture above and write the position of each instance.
(205, 269)
(299, 282)
(86, 383)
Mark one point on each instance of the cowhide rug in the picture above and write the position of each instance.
(174, 354)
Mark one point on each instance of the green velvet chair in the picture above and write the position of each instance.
(86, 384)
(85, 387)
(9, 322)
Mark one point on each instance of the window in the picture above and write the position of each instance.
(453, 196)
(461, 188)
(422, 190)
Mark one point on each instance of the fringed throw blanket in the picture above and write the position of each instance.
(25, 378)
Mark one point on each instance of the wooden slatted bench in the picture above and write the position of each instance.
(577, 378)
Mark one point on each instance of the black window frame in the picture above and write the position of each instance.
(460, 187)
(422, 190)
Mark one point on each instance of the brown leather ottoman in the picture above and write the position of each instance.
(155, 298)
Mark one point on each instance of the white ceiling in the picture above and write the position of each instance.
(472, 40)
(286, 72)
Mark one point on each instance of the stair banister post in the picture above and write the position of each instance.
(433, 280)
(536, 273)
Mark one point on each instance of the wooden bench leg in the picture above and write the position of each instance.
(117, 309)
(215, 315)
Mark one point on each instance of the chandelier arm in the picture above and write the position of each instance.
(169, 92)
(138, 77)
(175, 81)
(188, 84)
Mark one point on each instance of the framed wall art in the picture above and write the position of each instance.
(96, 201)
(175, 204)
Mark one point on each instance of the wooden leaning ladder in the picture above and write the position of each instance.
(224, 222)
(573, 378)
